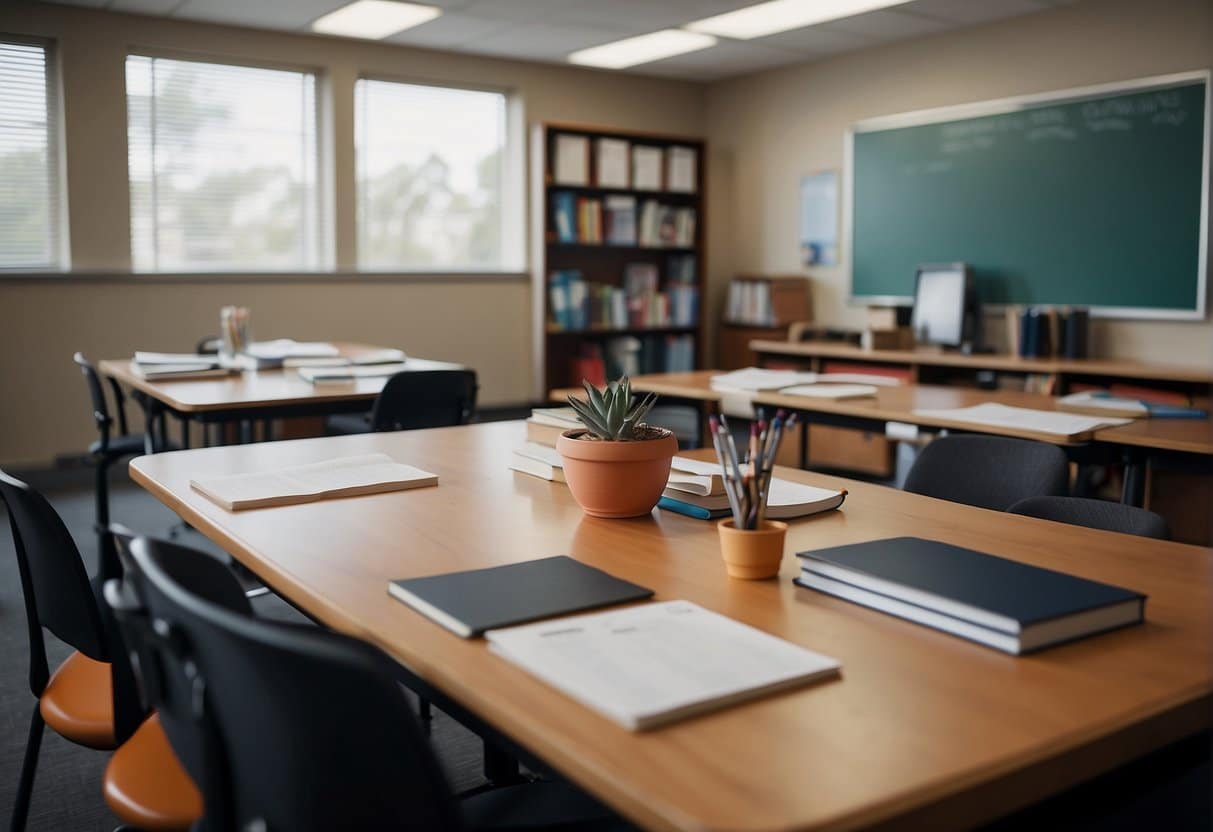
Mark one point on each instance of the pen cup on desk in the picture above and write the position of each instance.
(752, 554)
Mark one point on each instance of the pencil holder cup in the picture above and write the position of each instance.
(752, 554)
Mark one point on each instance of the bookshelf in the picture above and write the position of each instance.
(617, 251)
(760, 307)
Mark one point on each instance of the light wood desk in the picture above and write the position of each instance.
(922, 729)
(925, 357)
(259, 394)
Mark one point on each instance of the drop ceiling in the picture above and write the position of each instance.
(548, 30)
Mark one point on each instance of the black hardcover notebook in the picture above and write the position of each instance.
(1001, 603)
(468, 603)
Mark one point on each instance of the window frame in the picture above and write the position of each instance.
(56, 150)
(515, 254)
(323, 176)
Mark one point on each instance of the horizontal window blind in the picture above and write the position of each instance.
(223, 167)
(429, 176)
(29, 159)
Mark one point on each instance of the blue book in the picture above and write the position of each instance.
(564, 205)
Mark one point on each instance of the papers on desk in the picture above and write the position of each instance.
(830, 391)
(338, 375)
(162, 366)
(756, 380)
(1023, 418)
(787, 501)
(539, 461)
(653, 664)
(343, 477)
(385, 356)
(283, 348)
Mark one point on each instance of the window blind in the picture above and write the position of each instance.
(429, 176)
(29, 159)
(223, 167)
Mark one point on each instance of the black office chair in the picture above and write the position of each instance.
(1095, 514)
(91, 699)
(988, 471)
(208, 345)
(111, 446)
(415, 400)
(291, 727)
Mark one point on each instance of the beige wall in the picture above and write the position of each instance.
(764, 132)
(484, 322)
(767, 130)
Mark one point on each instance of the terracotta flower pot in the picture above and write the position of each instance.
(752, 554)
(616, 479)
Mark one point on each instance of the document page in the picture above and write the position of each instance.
(651, 664)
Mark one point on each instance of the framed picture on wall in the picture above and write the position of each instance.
(819, 218)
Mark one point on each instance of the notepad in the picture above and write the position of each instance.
(539, 461)
(342, 477)
(653, 664)
(830, 391)
(337, 375)
(755, 379)
(1023, 418)
(468, 603)
(183, 372)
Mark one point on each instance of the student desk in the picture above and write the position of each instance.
(259, 394)
(923, 729)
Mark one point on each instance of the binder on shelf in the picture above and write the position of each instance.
(571, 165)
(681, 164)
(620, 220)
(612, 156)
(646, 167)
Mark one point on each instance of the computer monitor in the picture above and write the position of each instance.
(945, 305)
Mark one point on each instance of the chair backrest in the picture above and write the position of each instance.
(208, 345)
(1095, 514)
(58, 595)
(289, 727)
(96, 393)
(425, 399)
(988, 471)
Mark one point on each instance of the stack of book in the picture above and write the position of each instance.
(787, 500)
(577, 305)
(538, 460)
(547, 423)
(1043, 332)
(666, 226)
(1000, 603)
(160, 366)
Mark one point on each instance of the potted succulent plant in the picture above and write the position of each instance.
(618, 465)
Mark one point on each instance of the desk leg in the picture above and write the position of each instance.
(1134, 487)
(804, 444)
(185, 431)
(500, 768)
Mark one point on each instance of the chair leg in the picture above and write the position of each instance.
(26, 785)
(425, 712)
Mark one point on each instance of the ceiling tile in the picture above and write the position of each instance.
(451, 30)
(541, 41)
(724, 60)
(887, 25)
(296, 14)
(968, 12)
(633, 15)
(93, 4)
(816, 40)
(516, 11)
(143, 6)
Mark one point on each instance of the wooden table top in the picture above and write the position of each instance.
(1194, 436)
(257, 388)
(1139, 370)
(922, 727)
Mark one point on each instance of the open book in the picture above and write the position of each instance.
(1025, 418)
(648, 665)
(343, 477)
(787, 501)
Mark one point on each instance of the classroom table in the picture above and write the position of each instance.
(260, 395)
(922, 729)
(1134, 445)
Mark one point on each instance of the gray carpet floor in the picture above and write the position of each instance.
(67, 790)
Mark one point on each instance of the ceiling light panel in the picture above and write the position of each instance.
(374, 19)
(642, 49)
(782, 15)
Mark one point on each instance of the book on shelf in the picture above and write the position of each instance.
(613, 157)
(681, 164)
(620, 211)
(652, 664)
(341, 477)
(767, 302)
(1001, 603)
(788, 500)
(588, 365)
(646, 167)
(571, 159)
(564, 216)
(589, 220)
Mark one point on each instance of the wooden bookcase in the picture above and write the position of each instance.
(788, 302)
(603, 264)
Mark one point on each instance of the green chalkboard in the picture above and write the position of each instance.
(1092, 201)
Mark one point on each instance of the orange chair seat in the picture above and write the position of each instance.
(78, 702)
(145, 784)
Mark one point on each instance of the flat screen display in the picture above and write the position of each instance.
(939, 307)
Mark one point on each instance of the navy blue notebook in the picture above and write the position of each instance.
(1002, 603)
(468, 603)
